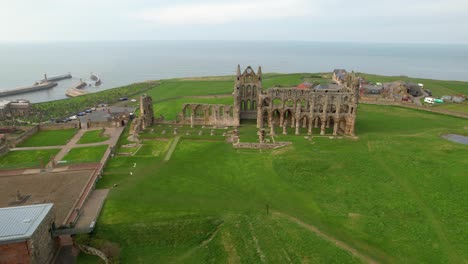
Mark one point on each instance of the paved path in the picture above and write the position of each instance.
(114, 133)
(91, 209)
(65, 149)
(36, 148)
(417, 100)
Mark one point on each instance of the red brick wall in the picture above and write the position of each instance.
(15, 253)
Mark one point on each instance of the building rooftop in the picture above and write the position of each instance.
(19, 223)
(4, 103)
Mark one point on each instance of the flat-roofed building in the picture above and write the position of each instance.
(26, 234)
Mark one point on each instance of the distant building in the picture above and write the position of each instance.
(372, 89)
(339, 75)
(15, 108)
(305, 86)
(327, 86)
(26, 234)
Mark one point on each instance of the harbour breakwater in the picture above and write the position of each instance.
(56, 78)
(27, 89)
(77, 90)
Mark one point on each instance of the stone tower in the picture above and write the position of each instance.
(146, 111)
(247, 87)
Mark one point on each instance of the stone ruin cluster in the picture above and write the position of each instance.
(312, 107)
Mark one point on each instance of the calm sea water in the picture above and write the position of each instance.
(121, 63)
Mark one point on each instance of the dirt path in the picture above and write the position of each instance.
(171, 148)
(202, 244)
(329, 238)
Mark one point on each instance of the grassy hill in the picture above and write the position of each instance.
(396, 194)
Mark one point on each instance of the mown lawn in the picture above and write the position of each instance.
(49, 138)
(26, 158)
(397, 194)
(93, 136)
(85, 154)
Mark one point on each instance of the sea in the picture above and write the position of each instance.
(122, 63)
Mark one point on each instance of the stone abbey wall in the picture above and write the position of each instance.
(281, 107)
(208, 115)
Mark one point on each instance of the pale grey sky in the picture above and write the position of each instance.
(400, 21)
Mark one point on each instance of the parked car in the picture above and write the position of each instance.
(123, 98)
(88, 111)
(73, 117)
(429, 100)
(133, 100)
(81, 114)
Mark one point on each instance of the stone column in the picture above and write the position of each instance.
(316, 123)
(335, 128)
(298, 125)
(272, 128)
(281, 118)
(270, 118)
(351, 128)
(309, 131)
(192, 120)
(259, 117)
(292, 121)
(322, 129)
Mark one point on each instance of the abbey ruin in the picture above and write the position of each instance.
(322, 107)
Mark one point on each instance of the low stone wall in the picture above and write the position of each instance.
(93, 251)
(413, 106)
(101, 124)
(59, 126)
(261, 145)
(29, 131)
(4, 148)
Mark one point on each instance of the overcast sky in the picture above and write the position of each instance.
(396, 21)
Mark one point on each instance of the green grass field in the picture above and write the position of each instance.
(396, 194)
(49, 138)
(26, 158)
(93, 136)
(85, 154)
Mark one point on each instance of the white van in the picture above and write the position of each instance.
(429, 100)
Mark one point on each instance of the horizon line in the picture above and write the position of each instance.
(227, 40)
